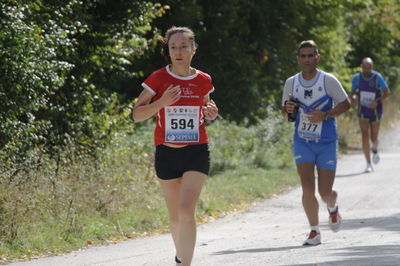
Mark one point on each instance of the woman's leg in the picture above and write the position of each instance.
(192, 183)
(171, 191)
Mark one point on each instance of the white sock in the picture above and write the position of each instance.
(315, 228)
(333, 209)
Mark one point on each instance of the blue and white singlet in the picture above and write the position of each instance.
(313, 97)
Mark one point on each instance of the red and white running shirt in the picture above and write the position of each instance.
(181, 123)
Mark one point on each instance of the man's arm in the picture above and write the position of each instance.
(317, 116)
(386, 93)
(354, 97)
(339, 109)
(384, 87)
(338, 94)
(287, 105)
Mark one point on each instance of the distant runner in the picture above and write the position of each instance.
(308, 98)
(369, 89)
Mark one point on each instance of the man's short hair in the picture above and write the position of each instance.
(307, 44)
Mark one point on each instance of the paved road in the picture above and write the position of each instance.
(271, 232)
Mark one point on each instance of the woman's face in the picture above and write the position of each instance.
(181, 49)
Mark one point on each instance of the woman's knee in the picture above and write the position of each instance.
(186, 218)
(186, 213)
(174, 219)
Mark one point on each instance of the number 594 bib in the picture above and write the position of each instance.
(182, 123)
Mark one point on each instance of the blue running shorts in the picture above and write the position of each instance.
(322, 154)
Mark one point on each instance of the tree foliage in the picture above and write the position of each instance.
(60, 66)
(249, 47)
(376, 34)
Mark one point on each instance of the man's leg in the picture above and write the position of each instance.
(310, 202)
(329, 196)
(325, 183)
(374, 134)
(375, 141)
(365, 126)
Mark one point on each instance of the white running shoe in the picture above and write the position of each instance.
(375, 156)
(313, 239)
(369, 168)
(335, 220)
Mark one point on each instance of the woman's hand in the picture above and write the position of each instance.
(210, 110)
(171, 95)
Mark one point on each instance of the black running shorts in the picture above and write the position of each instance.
(171, 163)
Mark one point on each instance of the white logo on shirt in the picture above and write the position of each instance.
(187, 91)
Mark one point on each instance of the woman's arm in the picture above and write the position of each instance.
(144, 109)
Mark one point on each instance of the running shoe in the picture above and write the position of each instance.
(313, 239)
(375, 156)
(369, 168)
(335, 220)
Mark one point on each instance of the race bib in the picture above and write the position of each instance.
(366, 97)
(182, 123)
(308, 130)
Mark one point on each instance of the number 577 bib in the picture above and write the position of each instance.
(182, 123)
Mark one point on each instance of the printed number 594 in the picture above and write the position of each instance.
(182, 123)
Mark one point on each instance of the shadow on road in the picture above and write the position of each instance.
(256, 250)
(385, 223)
(351, 174)
(353, 149)
(365, 255)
